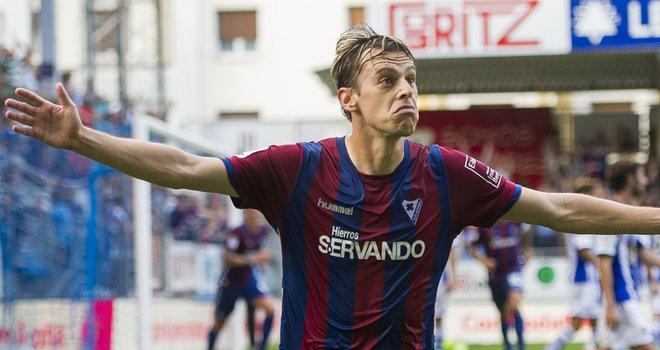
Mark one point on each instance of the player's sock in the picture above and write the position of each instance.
(213, 335)
(565, 336)
(250, 320)
(268, 324)
(520, 327)
(505, 330)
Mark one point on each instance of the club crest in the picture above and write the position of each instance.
(412, 208)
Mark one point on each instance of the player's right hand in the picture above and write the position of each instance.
(611, 317)
(57, 125)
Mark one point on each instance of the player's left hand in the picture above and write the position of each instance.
(262, 258)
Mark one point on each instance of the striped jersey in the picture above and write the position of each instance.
(503, 242)
(362, 254)
(616, 246)
(583, 271)
(635, 244)
(244, 242)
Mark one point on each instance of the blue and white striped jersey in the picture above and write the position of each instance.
(583, 271)
(616, 246)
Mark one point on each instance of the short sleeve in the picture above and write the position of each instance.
(582, 242)
(478, 194)
(264, 178)
(477, 237)
(643, 241)
(606, 245)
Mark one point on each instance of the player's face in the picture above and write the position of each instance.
(387, 95)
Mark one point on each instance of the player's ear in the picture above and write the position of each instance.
(347, 99)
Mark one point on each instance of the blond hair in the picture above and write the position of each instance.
(353, 45)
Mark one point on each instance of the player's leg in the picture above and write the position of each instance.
(265, 303)
(566, 334)
(498, 292)
(250, 322)
(592, 343)
(513, 299)
(256, 292)
(225, 302)
(513, 312)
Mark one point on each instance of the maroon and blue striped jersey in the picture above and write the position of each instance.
(503, 242)
(244, 242)
(363, 254)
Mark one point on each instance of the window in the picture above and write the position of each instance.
(355, 15)
(237, 30)
(239, 115)
(105, 30)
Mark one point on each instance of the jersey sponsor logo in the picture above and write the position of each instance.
(334, 207)
(345, 244)
(485, 172)
(412, 208)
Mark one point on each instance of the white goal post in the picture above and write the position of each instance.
(143, 126)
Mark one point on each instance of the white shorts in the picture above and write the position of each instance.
(634, 329)
(441, 301)
(586, 301)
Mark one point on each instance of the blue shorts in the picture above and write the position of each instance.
(500, 289)
(227, 295)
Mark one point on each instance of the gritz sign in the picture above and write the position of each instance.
(612, 24)
(477, 27)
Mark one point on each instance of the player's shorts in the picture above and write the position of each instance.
(441, 300)
(634, 328)
(585, 303)
(227, 295)
(500, 289)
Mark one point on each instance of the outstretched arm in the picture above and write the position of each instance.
(59, 125)
(579, 213)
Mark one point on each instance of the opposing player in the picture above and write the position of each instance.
(366, 220)
(245, 258)
(585, 303)
(622, 325)
(447, 282)
(506, 246)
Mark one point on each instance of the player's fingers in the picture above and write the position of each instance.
(23, 130)
(21, 118)
(35, 99)
(20, 106)
(63, 95)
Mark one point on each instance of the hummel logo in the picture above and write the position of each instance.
(334, 207)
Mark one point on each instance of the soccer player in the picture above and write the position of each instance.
(245, 258)
(585, 304)
(366, 220)
(447, 282)
(504, 245)
(622, 325)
